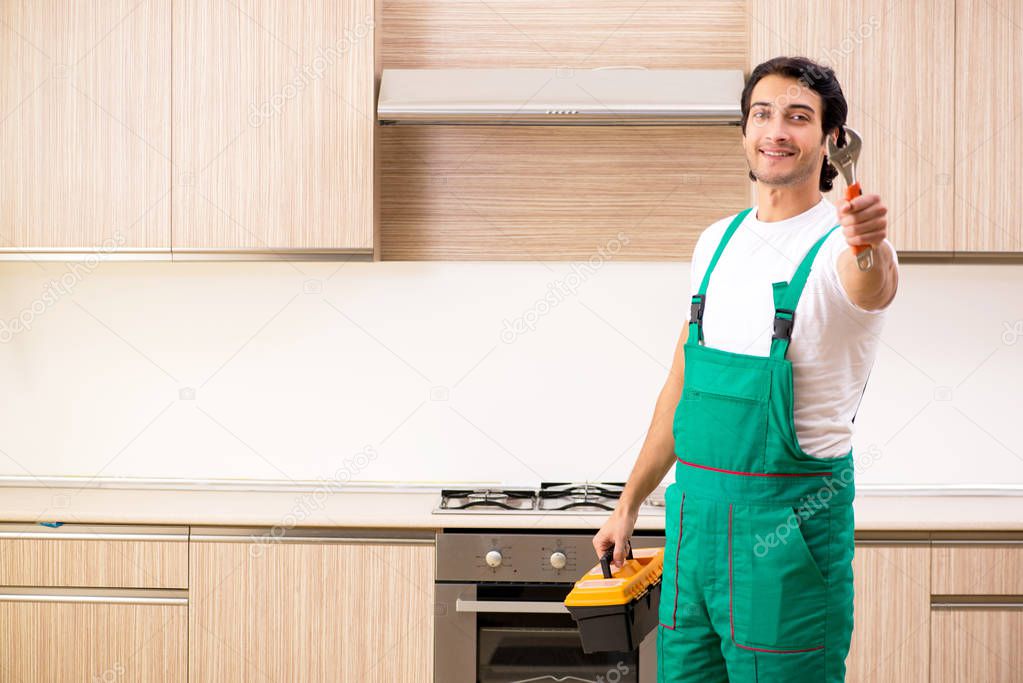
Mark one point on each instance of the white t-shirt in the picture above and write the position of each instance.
(834, 341)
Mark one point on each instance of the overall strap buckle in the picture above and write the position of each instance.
(696, 309)
(783, 325)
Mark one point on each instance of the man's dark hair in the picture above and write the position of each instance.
(817, 78)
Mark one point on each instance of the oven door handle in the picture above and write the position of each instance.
(510, 606)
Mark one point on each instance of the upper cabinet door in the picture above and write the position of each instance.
(273, 125)
(988, 136)
(895, 61)
(85, 136)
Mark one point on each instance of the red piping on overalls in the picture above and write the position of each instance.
(678, 549)
(755, 474)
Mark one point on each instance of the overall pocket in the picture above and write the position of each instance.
(721, 419)
(674, 512)
(777, 593)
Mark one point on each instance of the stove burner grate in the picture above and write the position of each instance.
(496, 498)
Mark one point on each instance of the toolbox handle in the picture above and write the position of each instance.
(605, 559)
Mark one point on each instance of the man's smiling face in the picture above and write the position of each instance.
(784, 139)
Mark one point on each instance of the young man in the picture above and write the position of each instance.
(756, 415)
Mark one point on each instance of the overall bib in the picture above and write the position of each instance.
(757, 582)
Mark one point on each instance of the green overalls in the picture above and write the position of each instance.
(757, 582)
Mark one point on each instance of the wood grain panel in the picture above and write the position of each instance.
(465, 193)
(93, 642)
(892, 607)
(311, 612)
(965, 569)
(535, 33)
(977, 644)
(895, 62)
(274, 117)
(988, 134)
(85, 124)
(553, 193)
(94, 563)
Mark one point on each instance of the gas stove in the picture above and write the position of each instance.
(500, 592)
(556, 497)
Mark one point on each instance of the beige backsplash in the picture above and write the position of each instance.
(413, 372)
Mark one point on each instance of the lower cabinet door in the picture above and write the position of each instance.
(314, 609)
(977, 642)
(52, 635)
(891, 612)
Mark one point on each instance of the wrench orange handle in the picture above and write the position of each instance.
(864, 252)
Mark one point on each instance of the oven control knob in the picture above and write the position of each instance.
(493, 558)
(558, 559)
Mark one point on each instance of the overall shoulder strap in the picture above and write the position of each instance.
(699, 299)
(787, 298)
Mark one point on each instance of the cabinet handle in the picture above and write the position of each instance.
(864, 542)
(977, 605)
(267, 537)
(66, 536)
(92, 533)
(937, 542)
(124, 596)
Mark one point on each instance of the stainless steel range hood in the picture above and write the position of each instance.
(629, 96)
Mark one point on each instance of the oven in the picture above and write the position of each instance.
(500, 616)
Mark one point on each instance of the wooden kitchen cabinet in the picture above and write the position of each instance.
(895, 61)
(85, 127)
(267, 148)
(96, 556)
(56, 636)
(310, 606)
(988, 138)
(892, 611)
(977, 607)
(978, 564)
(93, 603)
(274, 123)
(977, 643)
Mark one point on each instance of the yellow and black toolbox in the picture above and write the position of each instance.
(615, 609)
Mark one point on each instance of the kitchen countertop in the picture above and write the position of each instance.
(384, 506)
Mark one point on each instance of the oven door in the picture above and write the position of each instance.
(512, 633)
